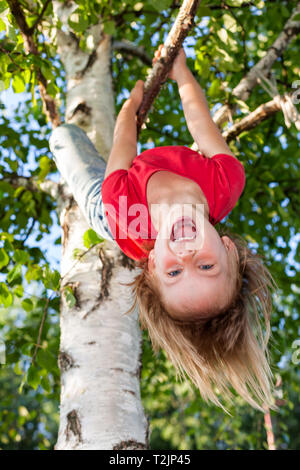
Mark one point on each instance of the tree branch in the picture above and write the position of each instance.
(40, 16)
(263, 112)
(159, 74)
(131, 48)
(30, 183)
(49, 105)
(246, 85)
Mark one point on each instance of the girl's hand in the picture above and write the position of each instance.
(136, 95)
(178, 64)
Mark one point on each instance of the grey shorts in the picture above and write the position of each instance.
(83, 169)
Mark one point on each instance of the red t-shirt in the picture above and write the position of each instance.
(221, 178)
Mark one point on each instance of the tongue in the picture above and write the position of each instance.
(183, 230)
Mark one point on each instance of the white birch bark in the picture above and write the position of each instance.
(100, 350)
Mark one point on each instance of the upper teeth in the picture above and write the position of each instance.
(183, 238)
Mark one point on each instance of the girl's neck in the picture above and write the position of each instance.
(167, 188)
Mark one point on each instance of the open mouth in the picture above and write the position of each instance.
(183, 229)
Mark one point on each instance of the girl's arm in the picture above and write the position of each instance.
(124, 147)
(204, 131)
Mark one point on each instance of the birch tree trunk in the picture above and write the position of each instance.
(100, 350)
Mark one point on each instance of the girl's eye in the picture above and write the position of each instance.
(174, 273)
(206, 266)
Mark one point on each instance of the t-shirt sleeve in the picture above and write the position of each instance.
(230, 183)
(114, 186)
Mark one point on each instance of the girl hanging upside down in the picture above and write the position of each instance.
(203, 295)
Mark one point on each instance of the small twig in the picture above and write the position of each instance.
(39, 18)
(77, 261)
(9, 55)
(38, 344)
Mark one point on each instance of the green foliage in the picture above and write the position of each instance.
(227, 42)
(90, 238)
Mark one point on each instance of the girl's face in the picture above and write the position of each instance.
(193, 266)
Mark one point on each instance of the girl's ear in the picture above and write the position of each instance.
(230, 245)
(151, 261)
(226, 242)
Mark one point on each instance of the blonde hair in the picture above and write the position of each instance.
(228, 349)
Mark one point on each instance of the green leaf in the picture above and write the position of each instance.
(6, 297)
(203, 11)
(27, 349)
(2, 25)
(27, 304)
(17, 369)
(77, 253)
(69, 296)
(7, 236)
(243, 106)
(33, 377)
(160, 5)
(45, 166)
(19, 291)
(50, 278)
(46, 360)
(90, 238)
(14, 273)
(33, 272)
(214, 89)
(4, 258)
(47, 71)
(21, 256)
(109, 28)
(46, 384)
(18, 84)
(78, 22)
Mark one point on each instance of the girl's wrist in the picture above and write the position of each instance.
(184, 75)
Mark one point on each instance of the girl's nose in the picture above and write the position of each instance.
(185, 253)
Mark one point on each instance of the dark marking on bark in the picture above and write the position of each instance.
(106, 275)
(81, 114)
(83, 108)
(117, 369)
(65, 228)
(130, 445)
(107, 266)
(65, 225)
(129, 391)
(140, 362)
(65, 361)
(91, 60)
(126, 262)
(136, 373)
(75, 289)
(73, 425)
(147, 432)
(92, 342)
